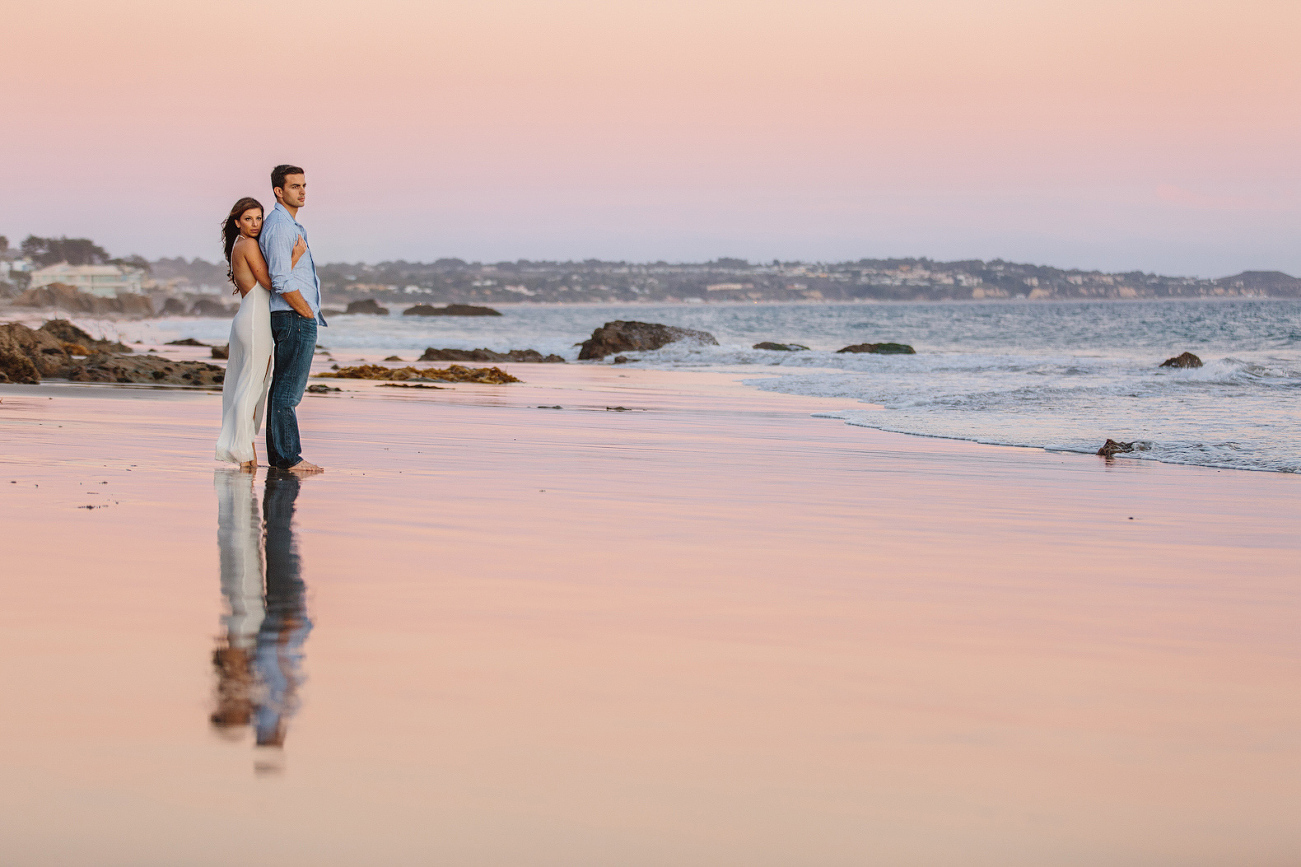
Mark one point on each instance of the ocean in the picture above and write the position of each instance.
(1058, 376)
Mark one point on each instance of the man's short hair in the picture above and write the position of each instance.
(278, 175)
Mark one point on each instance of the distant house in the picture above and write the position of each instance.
(106, 281)
(9, 267)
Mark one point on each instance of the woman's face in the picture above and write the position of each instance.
(250, 223)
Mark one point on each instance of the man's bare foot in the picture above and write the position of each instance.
(303, 468)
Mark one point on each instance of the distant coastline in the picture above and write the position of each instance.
(178, 286)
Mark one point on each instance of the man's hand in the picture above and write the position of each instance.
(296, 300)
(300, 247)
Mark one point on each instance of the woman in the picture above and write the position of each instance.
(248, 373)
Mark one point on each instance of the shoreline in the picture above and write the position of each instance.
(740, 375)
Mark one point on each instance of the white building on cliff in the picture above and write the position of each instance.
(106, 281)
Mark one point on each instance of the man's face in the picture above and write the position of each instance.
(294, 193)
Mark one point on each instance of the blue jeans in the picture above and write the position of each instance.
(295, 338)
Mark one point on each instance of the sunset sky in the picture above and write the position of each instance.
(1163, 136)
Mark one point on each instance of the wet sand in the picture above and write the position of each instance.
(709, 630)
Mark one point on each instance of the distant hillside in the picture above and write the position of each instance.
(455, 281)
(181, 275)
(1275, 284)
(726, 279)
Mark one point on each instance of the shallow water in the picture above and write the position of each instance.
(1051, 375)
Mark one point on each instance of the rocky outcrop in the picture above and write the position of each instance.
(781, 347)
(173, 307)
(1111, 447)
(449, 310)
(26, 354)
(619, 336)
(222, 351)
(134, 305)
(881, 348)
(1186, 359)
(1115, 447)
(188, 341)
(64, 297)
(526, 356)
(367, 307)
(148, 369)
(17, 367)
(208, 307)
(454, 373)
(69, 333)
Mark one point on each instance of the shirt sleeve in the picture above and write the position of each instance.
(278, 249)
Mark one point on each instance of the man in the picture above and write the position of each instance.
(295, 314)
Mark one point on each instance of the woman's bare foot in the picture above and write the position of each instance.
(303, 468)
(249, 466)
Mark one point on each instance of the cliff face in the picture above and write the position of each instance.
(61, 296)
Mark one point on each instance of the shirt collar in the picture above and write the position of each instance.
(283, 209)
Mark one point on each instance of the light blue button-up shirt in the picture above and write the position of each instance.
(279, 234)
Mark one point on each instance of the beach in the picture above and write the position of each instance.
(677, 620)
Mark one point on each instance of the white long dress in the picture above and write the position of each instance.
(248, 377)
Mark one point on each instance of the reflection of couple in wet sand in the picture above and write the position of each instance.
(272, 268)
(259, 659)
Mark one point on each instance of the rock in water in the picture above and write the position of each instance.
(26, 355)
(222, 351)
(529, 356)
(151, 370)
(69, 333)
(619, 336)
(454, 373)
(369, 306)
(449, 310)
(1111, 447)
(1187, 359)
(781, 347)
(208, 307)
(189, 341)
(16, 367)
(881, 348)
(70, 298)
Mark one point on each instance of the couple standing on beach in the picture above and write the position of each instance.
(271, 265)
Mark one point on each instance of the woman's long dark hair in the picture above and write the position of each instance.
(230, 229)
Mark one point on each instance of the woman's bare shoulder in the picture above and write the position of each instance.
(246, 248)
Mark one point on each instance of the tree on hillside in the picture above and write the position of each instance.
(4, 244)
(74, 251)
(133, 261)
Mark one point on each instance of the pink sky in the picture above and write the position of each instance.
(1154, 135)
